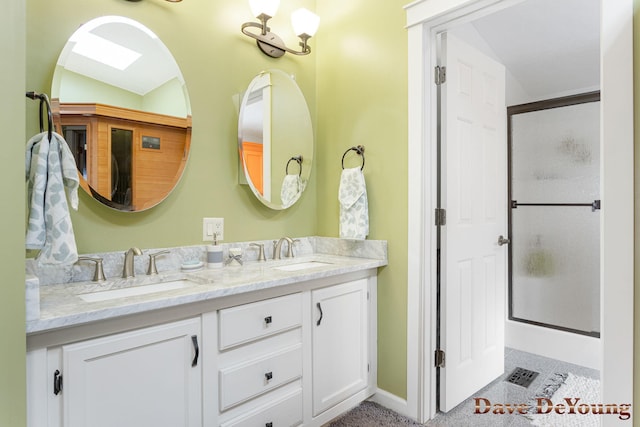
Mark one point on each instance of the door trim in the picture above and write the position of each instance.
(424, 19)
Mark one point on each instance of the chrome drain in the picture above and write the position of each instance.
(522, 377)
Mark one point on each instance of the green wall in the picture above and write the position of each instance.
(362, 100)
(12, 119)
(355, 80)
(167, 98)
(80, 88)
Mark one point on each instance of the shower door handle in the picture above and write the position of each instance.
(503, 241)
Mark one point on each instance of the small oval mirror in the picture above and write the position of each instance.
(275, 139)
(121, 103)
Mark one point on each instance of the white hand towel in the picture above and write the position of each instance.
(291, 190)
(354, 208)
(51, 172)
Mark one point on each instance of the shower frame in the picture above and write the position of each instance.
(565, 101)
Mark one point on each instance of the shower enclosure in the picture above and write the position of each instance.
(554, 215)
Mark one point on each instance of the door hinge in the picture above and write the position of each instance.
(441, 216)
(440, 75)
(367, 295)
(57, 382)
(368, 367)
(440, 359)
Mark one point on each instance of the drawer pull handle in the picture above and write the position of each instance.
(57, 382)
(196, 348)
(320, 319)
(268, 375)
(268, 320)
(268, 425)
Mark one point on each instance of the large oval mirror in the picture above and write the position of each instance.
(120, 101)
(275, 139)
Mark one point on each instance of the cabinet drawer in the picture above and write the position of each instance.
(244, 323)
(242, 382)
(286, 412)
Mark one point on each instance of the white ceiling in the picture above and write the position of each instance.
(154, 68)
(549, 47)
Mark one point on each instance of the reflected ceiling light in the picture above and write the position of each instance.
(305, 24)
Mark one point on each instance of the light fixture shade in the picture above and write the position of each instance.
(268, 7)
(305, 22)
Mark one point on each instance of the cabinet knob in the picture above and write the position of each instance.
(268, 375)
(268, 320)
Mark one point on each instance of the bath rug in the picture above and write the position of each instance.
(566, 386)
(548, 389)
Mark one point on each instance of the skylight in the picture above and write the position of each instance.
(104, 51)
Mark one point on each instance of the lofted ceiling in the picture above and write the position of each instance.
(549, 47)
(154, 67)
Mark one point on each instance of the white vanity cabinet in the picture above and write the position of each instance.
(340, 343)
(296, 355)
(259, 363)
(298, 359)
(147, 377)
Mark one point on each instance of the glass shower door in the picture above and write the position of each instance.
(554, 221)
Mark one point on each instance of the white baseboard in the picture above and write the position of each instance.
(391, 401)
(566, 346)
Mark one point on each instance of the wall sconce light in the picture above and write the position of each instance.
(305, 24)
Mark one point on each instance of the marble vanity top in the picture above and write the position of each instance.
(61, 305)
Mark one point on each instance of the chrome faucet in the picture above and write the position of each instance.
(277, 247)
(128, 269)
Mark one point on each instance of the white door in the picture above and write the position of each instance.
(340, 343)
(474, 194)
(144, 378)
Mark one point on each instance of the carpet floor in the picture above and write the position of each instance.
(369, 414)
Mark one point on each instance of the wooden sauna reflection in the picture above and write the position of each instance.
(129, 159)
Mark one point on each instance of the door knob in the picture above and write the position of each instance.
(503, 241)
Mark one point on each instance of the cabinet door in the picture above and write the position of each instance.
(340, 343)
(149, 377)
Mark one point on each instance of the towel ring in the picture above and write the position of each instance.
(358, 149)
(44, 99)
(298, 160)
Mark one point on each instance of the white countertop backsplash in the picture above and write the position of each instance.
(52, 292)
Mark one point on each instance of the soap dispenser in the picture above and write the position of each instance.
(214, 254)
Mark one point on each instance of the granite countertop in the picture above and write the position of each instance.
(61, 305)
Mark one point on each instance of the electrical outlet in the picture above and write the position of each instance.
(211, 226)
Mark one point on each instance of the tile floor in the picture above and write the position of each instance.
(500, 391)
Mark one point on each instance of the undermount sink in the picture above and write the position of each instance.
(136, 290)
(302, 265)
